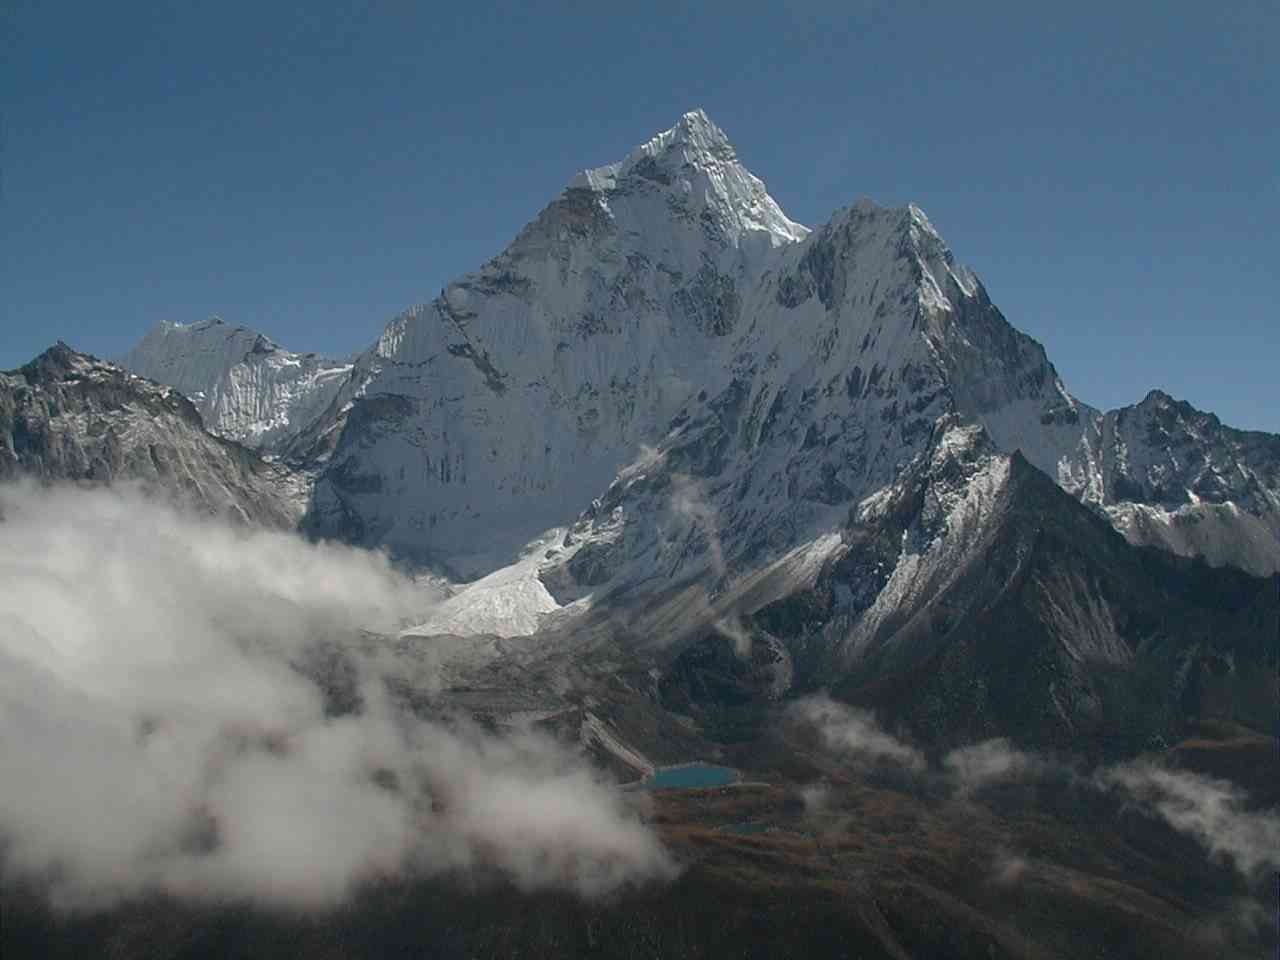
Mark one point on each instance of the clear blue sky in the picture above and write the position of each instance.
(1112, 171)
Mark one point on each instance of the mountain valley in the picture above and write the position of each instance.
(686, 480)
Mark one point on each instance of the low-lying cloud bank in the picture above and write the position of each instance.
(161, 732)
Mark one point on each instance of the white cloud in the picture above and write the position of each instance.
(990, 761)
(854, 733)
(156, 732)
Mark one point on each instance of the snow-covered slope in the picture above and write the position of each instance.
(69, 417)
(246, 387)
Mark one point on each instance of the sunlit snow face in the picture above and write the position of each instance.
(165, 730)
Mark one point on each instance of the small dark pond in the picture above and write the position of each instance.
(747, 828)
(691, 776)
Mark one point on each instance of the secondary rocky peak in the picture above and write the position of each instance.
(57, 363)
(1169, 414)
(60, 354)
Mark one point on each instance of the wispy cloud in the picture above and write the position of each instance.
(688, 501)
(162, 728)
(1009, 868)
(1212, 811)
(854, 732)
(990, 761)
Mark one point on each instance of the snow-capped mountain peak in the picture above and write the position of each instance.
(700, 173)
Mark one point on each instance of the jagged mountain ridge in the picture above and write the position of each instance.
(971, 598)
(247, 387)
(668, 294)
(69, 417)
(1000, 604)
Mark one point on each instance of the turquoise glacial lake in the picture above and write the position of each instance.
(691, 777)
(747, 828)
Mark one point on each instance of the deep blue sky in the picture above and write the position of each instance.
(1112, 171)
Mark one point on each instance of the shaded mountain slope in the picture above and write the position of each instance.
(1053, 630)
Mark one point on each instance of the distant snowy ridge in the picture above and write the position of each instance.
(246, 387)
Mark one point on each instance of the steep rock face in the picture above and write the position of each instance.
(68, 417)
(664, 320)
(796, 372)
(246, 387)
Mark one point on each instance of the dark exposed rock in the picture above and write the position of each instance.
(710, 302)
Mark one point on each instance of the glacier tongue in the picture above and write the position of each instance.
(246, 387)
(509, 602)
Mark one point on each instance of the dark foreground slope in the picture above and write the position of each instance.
(867, 866)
